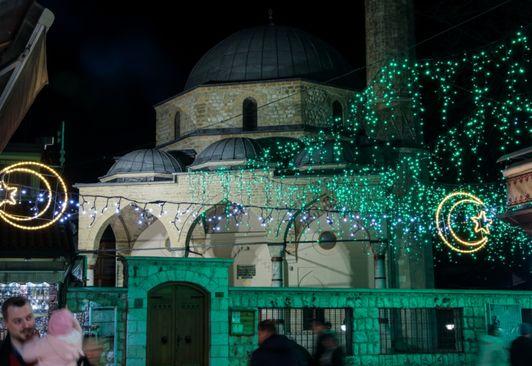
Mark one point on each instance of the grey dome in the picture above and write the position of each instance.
(330, 152)
(228, 152)
(144, 162)
(265, 53)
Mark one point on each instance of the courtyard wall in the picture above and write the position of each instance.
(364, 305)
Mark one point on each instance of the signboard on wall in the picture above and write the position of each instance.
(242, 322)
(245, 272)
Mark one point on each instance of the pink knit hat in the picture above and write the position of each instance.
(61, 322)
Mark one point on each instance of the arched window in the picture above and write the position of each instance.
(177, 125)
(249, 115)
(337, 112)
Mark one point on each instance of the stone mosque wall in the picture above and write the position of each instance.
(284, 103)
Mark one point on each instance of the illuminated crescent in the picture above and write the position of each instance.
(472, 246)
(25, 167)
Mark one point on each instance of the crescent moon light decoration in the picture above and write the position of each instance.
(9, 199)
(445, 228)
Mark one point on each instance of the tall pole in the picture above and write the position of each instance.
(62, 151)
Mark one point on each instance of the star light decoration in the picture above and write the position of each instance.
(9, 194)
(41, 217)
(482, 223)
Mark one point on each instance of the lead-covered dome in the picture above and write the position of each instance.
(228, 152)
(143, 165)
(265, 53)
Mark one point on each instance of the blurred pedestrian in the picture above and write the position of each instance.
(277, 350)
(62, 344)
(328, 351)
(521, 348)
(492, 348)
(93, 350)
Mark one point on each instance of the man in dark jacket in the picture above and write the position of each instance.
(20, 324)
(521, 348)
(277, 350)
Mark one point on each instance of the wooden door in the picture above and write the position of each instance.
(190, 326)
(177, 326)
(161, 344)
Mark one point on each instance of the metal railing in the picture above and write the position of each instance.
(526, 315)
(421, 330)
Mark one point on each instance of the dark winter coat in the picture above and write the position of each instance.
(521, 351)
(278, 350)
(7, 351)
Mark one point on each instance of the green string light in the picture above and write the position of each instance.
(457, 115)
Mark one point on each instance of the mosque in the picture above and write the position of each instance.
(258, 92)
(189, 244)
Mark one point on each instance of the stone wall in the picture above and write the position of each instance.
(225, 349)
(145, 273)
(365, 305)
(317, 101)
(280, 103)
(220, 106)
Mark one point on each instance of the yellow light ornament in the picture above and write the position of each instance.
(10, 194)
(29, 168)
(444, 223)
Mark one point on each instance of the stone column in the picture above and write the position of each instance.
(277, 257)
(380, 271)
(379, 249)
(415, 267)
(91, 261)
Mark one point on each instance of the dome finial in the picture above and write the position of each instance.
(270, 16)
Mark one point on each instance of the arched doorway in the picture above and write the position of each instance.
(224, 231)
(105, 266)
(177, 328)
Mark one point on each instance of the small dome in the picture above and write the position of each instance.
(266, 53)
(227, 152)
(331, 153)
(143, 165)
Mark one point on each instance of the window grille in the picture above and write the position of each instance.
(296, 324)
(421, 330)
(526, 315)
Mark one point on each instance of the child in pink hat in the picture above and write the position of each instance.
(61, 346)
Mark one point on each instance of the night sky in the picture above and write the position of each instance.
(109, 62)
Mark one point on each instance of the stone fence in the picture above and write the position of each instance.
(476, 310)
(375, 326)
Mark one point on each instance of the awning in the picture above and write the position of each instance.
(520, 216)
(23, 26)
